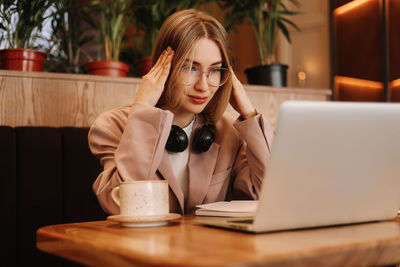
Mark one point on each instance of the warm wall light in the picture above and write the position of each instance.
(353, 89)
(395, 83)
(358, 82)
(394, 90)
(301, 78)
(350, 6)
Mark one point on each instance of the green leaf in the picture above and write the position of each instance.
(265, 17)
(291, 23)
(284, 31)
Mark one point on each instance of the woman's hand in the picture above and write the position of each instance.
(240, 100)
(153, 82)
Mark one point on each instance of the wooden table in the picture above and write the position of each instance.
(184, 243)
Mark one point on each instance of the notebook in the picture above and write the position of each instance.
(331, 163)
(234, 208)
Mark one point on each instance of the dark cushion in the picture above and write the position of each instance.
(80, 169)
(39, 187)
(8, 174)
(47, 175)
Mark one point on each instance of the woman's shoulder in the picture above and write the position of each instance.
(226, 134)
(107, 129)
(227, 119)
(118, 118)
(225, 123)
(113, 117)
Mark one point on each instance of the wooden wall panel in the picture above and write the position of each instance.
(267, 100)
(394, 38)
(48, 99)
(358, 34)
(309, 50)
(55, 99)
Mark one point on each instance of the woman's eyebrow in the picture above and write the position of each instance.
(198, 64)
(216, 63)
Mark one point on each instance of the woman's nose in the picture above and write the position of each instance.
(202, 83)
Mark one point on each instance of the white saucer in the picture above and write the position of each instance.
(143, 221)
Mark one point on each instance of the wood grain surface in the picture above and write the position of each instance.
(51, 99)
(58, 99)
(184, 243)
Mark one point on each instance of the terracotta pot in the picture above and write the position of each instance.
(22, 59)
(107, 68)
(273, 74)
(143, 66)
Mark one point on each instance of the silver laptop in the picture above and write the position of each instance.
(331, 163)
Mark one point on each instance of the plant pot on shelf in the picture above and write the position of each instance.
(22, 59)
(273, 75)
(107, 68)
(143, 66)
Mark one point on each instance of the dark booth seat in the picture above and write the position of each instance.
(46, 178)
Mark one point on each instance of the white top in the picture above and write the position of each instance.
(179, 162)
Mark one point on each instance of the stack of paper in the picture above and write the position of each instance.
(235, 208)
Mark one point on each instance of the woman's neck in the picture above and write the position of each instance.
(183, 119)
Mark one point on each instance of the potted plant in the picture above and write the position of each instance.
(266, 18)
(149, 15)
(112, 18)
(69, 35)
(21, 22)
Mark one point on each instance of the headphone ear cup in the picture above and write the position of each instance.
(177, 140)
(203, 138)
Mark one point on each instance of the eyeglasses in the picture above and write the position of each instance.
(215, 76)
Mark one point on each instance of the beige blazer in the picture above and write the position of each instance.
(130, 143)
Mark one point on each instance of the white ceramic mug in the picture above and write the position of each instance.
(142, 198)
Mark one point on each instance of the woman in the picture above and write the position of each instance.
(176, 128)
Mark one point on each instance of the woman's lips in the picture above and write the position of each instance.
(198, 99)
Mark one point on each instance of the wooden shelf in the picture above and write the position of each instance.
(58, 99)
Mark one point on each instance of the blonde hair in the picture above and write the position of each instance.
(180, 31)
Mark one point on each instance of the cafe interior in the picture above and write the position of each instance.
(327, 50)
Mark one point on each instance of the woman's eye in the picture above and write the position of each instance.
(191, 69)
(194, 69)
(215, 70)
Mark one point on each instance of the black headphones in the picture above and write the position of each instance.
(202, 139)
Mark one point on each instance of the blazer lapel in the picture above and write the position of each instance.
(201, 168)
(166, 171)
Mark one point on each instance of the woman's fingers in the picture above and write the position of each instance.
(154, 70)
(239, 98)
(159, 66)
(166, 67)
(161, 72)
(153, 83)
(235, 80)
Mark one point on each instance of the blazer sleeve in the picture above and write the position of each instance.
(129, 145)
(252, 158)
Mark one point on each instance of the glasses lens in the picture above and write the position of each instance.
(190, 75)
(218, 76)
(215, 76)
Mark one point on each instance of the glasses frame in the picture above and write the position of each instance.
(224, 77)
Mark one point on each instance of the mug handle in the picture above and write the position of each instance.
(115, 195)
